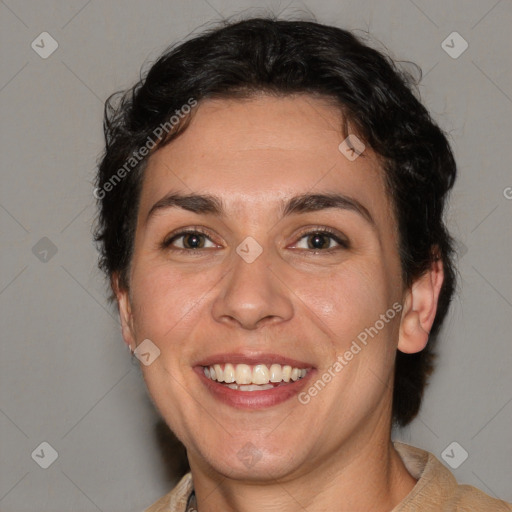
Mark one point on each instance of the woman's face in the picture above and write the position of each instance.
(266, 282)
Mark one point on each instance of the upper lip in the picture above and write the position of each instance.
(252, 359)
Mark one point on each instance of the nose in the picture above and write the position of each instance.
(252, 295)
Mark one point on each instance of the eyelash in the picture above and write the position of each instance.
(166, 244)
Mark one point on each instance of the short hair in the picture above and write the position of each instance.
(282, 58)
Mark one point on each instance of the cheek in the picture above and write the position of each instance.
(165, 301)
(347, 301)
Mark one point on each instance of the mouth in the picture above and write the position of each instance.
(249, 383)
(253, 377)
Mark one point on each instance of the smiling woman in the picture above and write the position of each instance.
(265, 239)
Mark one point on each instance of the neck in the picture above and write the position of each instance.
(367, 475)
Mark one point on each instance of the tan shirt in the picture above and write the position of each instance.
(435, 491)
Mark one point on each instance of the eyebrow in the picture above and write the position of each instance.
(304, 203)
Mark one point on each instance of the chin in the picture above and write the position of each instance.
(253, 460)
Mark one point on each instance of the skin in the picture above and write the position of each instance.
(335, 452)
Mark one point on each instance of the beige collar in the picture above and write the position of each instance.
(435, 490)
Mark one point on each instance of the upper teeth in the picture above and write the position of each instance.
(257, 374)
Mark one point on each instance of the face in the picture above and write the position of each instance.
(263, 273)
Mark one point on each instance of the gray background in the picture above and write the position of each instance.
(66, 377)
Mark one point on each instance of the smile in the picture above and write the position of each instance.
(253, 381)
(257, 377)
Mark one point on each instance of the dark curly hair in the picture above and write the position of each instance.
(281, 57)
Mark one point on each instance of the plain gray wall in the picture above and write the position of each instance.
(66, 377)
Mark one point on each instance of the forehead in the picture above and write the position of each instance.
(262, 150)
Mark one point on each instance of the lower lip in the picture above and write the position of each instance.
(253, 399)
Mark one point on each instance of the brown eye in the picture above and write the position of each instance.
(188, 241)
(193, 241)
(321, 240)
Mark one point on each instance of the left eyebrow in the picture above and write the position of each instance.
(304, 203)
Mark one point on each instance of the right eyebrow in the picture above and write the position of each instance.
(195, 203)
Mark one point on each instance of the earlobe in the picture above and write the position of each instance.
(420, 309)
(125, 311)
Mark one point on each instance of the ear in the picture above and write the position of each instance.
(420, 307)
(125, 311)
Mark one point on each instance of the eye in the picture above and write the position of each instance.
(318, 240)
(188, 240)
(323, 240)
